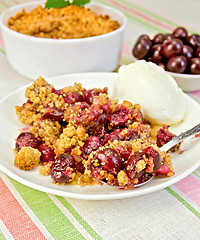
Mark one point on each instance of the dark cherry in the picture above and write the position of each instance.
(180, 33)
(197, 53)
(161, 64)
(172, 47)
(102, 133)
(53, 114)
(26, 139)
(97, 124)
(167, 36)
(120, 116)
(131, 164)
(151, 152)
(91, 144)
(47, 153)
(110, 160)
(158, 38)
(148, 152)
(124, 152)
(177, 64)
(89, 95)
(155, 53)
(141, 48)
(144, 36)
(194, 40)
(115, 135)
(195, 66)
(187, 51)
(79, 167)
(131, 135)
(164, 136)
(62, 168)
(72, 97)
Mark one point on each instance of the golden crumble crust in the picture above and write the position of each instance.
(71, 136)
(63, 23)
(46, 130)
(27, 113)
(27, 158)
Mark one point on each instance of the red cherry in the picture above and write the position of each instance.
(158, 38)
(194, 40)
(172, 47)
(62, 168)
(187, 51)
(156, 55)
(47, 153)
(177, 64)
(91, 144)
(197, 54)
(141, 48)
(110, 160)
(180, 33)
(195, 66)
(26, 139)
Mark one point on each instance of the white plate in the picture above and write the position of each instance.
(184, 163)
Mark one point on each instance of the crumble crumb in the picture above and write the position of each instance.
(27, 158)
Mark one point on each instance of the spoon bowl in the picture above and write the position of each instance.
(166, 147)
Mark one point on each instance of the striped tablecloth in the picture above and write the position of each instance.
(171, 213)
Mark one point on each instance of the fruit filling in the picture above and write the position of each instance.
(82, 136)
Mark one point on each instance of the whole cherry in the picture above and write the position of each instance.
(141, 48)
(177, 64)
(195, 66)
(172, 47)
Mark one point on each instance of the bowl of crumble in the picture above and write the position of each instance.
(71, 39)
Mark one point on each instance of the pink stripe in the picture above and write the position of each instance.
(196, 93)
(126, 49)
(141, 15)
(1, 41)
(191, 188)
(16, 220)
(5, 4)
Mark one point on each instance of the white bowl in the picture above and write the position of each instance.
(187, 82)
(32, 56)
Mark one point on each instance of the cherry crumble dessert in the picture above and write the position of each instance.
(82, 136)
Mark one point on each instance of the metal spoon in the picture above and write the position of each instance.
(172, 143)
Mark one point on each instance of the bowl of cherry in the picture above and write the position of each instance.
(177, 52)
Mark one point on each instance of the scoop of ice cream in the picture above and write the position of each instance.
(154, 89)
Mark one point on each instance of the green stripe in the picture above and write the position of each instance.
(198, 169)
(79, 218)
(2, 50)
(197, 175)
(135, 19)
(10, 3)
(2, 7)
(147, 12)
(2, 236)
(161, 19)
(184, 202)
(142, 10)
(48, 213)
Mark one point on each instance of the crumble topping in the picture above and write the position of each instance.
(63, 23)
(81, 136)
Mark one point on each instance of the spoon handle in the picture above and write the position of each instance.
(180, 138)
